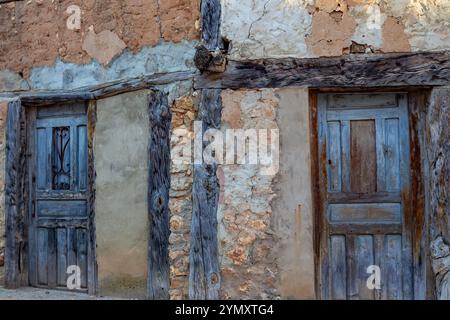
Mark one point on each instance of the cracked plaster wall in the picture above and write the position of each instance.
(310, 28)
(116, 39)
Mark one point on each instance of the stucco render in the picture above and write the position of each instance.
(120, 146)
(121, 216)
(293, 206)
(35, 33)
(309, 28)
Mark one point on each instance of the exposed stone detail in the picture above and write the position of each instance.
(440, 255)
(34, 33)
(246, 237)
(180, 203)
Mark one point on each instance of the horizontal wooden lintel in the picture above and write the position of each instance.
(100, 91)
(357, 70)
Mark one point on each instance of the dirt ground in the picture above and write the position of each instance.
(28, 293)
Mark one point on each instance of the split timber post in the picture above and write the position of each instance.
(15, 203)
(204, 274)
(158, 196)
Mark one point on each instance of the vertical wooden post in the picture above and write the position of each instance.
(15, 189)
(437, 186)
(438, 155)
(92, 261)
(204, 274)
(158, 195)
(210, 12)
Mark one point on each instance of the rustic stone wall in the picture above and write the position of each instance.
(306, 28)
(35, 33)
(245, 227)
(266, 221)
(180, 202)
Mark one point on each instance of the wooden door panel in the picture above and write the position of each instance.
(59, 213)
(334, 157)
(366, 170)
(350, 255)
(362, 156)
(62, 259)
(364, 212)
(338, 267)
(392, 155)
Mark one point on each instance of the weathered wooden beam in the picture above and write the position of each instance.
(438, 151)
(204, 271)
(204, 276)
(15, 189)
(210, 17)
(362, 70)
(101, 91)
(139, 83)
(92, 259)
(213, 61)
(158, 196)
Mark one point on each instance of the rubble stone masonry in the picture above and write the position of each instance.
(246, 235)
(180, 202)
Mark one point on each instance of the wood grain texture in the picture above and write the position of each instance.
(374, 70)
(15, 195)
(204, 275)
(61, 214)
(363, 157)
(348, 141)
(158, 195)
(92, 269)
(100, 91)
(438, 149)
(210, 17)
(423, 275)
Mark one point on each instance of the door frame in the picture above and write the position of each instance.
(415, 213)
(18, 194)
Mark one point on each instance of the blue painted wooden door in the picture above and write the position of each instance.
(58, 187)
(365, 177)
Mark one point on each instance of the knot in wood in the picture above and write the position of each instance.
(214, 278)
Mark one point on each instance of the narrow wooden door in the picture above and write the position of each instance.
(365, 180)
(58, 196)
